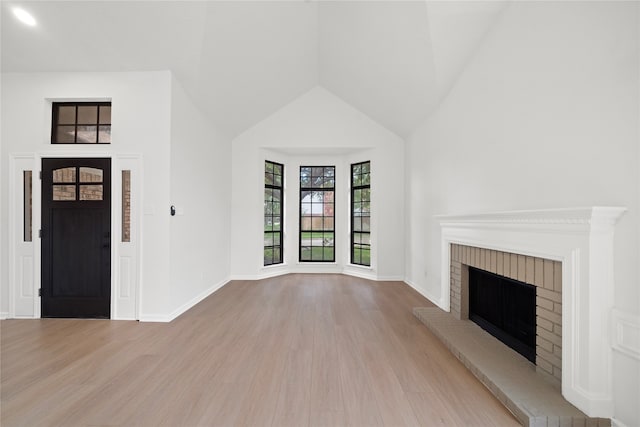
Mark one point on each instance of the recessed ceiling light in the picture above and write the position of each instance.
(24, 16)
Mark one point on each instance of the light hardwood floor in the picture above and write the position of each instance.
(295, 350)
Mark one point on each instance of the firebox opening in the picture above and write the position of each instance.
(505, 308)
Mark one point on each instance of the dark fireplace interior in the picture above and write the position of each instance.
(505, 308)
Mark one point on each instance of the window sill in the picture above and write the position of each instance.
(316, 263)
(272, 266)
(362, 267)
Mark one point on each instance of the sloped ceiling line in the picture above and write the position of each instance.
(242, 61)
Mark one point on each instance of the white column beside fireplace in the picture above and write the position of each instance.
(580, 238)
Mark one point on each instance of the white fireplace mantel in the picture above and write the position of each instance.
(582, 239)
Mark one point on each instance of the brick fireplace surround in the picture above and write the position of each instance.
(568, 255)
(544, 274)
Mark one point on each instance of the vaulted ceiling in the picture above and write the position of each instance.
(241, 61)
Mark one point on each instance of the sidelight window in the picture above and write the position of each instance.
(27, 192)
(126, 205)
(317, 216)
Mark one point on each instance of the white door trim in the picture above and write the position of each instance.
(18, 162)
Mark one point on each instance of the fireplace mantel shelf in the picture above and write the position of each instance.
(587, 215)
(582, 240)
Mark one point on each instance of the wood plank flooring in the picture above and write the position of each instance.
(296, 350)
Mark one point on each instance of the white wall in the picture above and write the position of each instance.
(141, 125)
(201, 193)
(544, 116)
(317, 129)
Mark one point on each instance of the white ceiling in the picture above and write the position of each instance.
(241, 61)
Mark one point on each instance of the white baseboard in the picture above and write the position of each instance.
(426, 294)
(266, 275)
(154, 318)
(165, 318)
(363, 274)
(186, 306)
(390, 278)
(617, 423)
(4, 315)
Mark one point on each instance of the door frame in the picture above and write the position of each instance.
(133, 162)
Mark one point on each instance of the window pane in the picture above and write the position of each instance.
(328, 254)
(64, 192)
(90, 174)
(305, 223)
(355, 256)
(67, 115)
(87, 115)
(87, 134)
(26, 211)
(305, 254)
(268, 178)
(104, 134)
(305, 177)
(64, 175)
(328, 239)
(105, 114)
(65, 134)
(329, 182)
(365, 256)
(126, 205)
(366, 238)
(91, 192)
(268, 256)
(268, 239)
(328, 223)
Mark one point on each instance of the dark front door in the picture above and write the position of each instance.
(76, 238)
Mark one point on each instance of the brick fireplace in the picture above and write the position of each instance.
(544, 274)
(567, 254)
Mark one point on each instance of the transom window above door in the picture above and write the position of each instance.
(81, 123)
